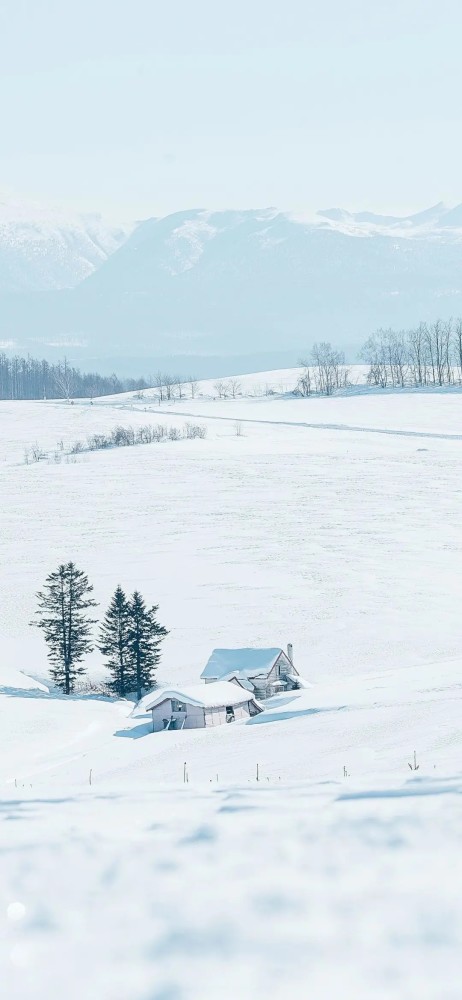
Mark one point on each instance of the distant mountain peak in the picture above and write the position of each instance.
(434, 220)
(44, 248)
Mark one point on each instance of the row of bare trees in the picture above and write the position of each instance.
(170, 387)
(29, 378)
(429, 354)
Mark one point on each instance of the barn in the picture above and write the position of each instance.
(198, 706)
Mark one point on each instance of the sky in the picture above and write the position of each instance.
(139, 108)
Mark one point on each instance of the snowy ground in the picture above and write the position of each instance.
(338, 873)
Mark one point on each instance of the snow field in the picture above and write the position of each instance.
(344, 541)
(254, 892)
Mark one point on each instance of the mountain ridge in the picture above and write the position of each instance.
(202, 283)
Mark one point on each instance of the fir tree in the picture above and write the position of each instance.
(62, 606)
(114, 642)
(145, 635)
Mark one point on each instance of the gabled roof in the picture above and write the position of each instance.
(239, 680)
(217, 695)
(240, 662)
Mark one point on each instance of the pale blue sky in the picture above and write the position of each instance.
(139, 108)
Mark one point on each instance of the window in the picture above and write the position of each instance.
(178, 706)
(230, 713)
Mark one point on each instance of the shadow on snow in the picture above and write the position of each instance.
(259, 720)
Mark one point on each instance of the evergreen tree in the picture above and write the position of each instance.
(62, 608)
(145, 637)
(114, 644)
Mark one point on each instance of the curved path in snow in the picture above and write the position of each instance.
(313, 426)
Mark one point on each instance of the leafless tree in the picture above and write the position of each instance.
(304, 383)
(458, 346)
(327, 364)
(417, 354)
(234, 387)
(64, 378)
(159, 385)
(220, 389)
(179, 383)
(373, 353)
(169, 386)
(193, 386)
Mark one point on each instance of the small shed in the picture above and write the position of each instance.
(198, 706)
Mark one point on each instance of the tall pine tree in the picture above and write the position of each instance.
(114, 644)
(63, 604)
(145, 637)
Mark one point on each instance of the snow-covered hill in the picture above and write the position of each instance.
(43, 248)
(331, 523)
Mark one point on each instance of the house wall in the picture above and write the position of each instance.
(194, 716)
(217, 716)
(241, 711)
(278, 671)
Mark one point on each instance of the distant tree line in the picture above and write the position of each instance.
(29, 378)
(429, 354)
(130, 635)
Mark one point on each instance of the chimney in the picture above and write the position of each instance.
(290, 653)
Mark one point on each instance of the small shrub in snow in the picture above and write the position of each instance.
(122, 437)
(97, 442)
(36, 454)
(195, 431)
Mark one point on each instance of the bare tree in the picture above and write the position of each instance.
(327, 364)
(234, 387)
(179, 385)
(458, 346)
(417, 354)
(220, 389)
(304, 383)
(397, 356)
(193, 386)
(64, 378)
(159, 385)
(169, 386)
(373, 353)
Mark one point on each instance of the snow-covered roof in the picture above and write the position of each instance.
(235, 662)
(217, 695)
(241, 680)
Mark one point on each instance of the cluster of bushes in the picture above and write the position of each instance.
(125, 437)
(119, 437)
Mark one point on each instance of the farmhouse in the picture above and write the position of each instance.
(263, 672)
(196, 706)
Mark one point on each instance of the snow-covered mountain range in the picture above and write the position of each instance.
(222, 283)
(44, 248)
